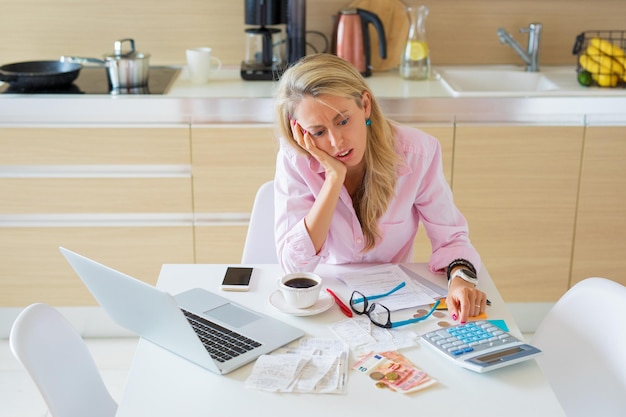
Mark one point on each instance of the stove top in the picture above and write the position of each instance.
(95, 80)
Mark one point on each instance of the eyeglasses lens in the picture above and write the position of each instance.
(358, 302)
(379, 314)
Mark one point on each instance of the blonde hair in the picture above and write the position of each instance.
(326, 74)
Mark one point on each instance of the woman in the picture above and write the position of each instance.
(351, 186)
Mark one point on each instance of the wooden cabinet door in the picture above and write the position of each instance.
(599, 247)
(517, 186)
(445, 134)
(229, 165)
(140, 145)
(34, 270)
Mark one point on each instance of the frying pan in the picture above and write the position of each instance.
(31, 75)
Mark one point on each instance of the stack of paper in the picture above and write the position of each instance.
(381, 279)
(309, 365)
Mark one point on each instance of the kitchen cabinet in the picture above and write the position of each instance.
(444, 132)
(119, 194)
(517, 186)
(544, 211)
(229, 164)
(600, 226)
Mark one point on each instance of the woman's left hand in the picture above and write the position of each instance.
(465, 300)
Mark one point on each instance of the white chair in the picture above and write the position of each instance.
(260, 247)
(583, 338)
(60, 364)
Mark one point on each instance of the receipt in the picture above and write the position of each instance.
(275, 372)
(309, 365)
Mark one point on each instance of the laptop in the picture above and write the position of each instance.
(192, 324)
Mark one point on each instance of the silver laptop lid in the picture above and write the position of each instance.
(156, 315)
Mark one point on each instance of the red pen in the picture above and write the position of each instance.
(344, 308)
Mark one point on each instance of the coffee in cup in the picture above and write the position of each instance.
(300, 289)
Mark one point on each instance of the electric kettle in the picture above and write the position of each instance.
(351, 39)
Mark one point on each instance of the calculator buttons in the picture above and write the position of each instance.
(469, 338)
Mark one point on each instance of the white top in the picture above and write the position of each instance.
(162, 384)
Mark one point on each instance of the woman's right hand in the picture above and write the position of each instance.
(334, 168)
(319, 217)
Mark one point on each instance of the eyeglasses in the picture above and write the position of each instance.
(378, 313)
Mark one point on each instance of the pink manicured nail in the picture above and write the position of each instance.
(454, 316)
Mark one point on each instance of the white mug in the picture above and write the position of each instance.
(201, 64)
(300, 289)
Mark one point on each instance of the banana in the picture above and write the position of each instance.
(610, 64)
(601, 74)
(590, 64)
(610, 49)
(605, 80)
(607, 47)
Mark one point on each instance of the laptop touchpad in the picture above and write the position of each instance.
(232, 315)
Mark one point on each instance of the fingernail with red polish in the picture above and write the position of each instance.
(454, 316)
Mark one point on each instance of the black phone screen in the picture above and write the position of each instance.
(237, 276)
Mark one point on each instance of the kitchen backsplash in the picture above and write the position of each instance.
(459, 31)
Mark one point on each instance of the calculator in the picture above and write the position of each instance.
(479, 346)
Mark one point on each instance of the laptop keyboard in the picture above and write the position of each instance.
(221, 343)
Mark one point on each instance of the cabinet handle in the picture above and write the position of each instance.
(95, 171)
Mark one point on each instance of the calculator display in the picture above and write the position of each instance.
(497, 356)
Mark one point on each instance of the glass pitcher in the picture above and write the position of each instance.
(415, 61)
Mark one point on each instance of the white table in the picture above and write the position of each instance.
(162, 384)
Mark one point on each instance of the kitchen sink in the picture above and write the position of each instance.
(507, 80)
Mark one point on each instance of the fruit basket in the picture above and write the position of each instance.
(601, 58)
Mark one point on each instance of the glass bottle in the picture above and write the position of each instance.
(415, 61)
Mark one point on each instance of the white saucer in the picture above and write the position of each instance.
(324, 302)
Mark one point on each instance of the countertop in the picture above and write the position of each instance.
(226, 98)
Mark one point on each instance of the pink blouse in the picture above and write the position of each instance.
(422, 194)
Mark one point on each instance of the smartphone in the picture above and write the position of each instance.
(237, 278)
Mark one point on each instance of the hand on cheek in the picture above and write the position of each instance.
(297, 132)
(303, 138)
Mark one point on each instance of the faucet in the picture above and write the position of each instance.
(531, 56)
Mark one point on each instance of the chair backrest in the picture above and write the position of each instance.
(60, 364)
(583, 338)
(260, 247)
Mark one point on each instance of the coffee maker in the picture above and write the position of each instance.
(267, 54)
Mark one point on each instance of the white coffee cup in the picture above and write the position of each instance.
(300, 289)
(201, 64)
